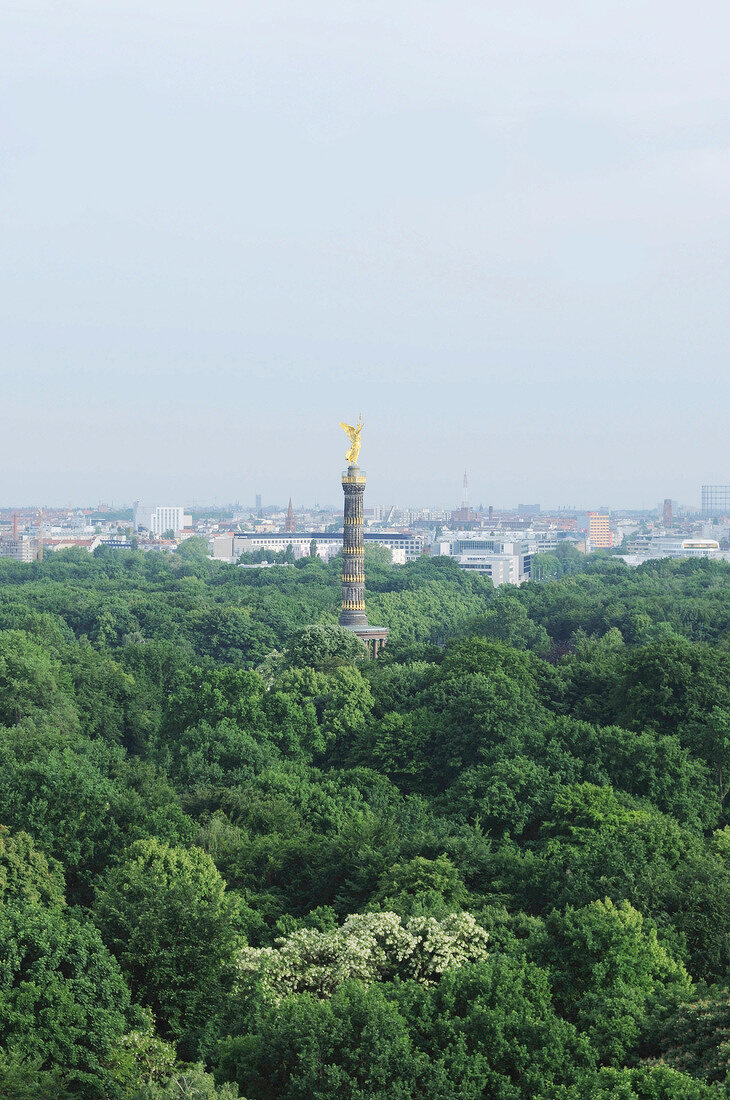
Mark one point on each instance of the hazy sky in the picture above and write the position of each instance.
(500, 229)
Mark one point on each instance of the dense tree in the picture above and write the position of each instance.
(609, 972)
(62, 996)
(421, 885)
(643, 1083)
(26, 875)
(145, 1067)
(483, 1030)
(32, 683)
(164, 913)
(314, 646)
(695, 1036)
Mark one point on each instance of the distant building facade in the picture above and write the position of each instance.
(504, 561)
(404, 545)
(716, 500)
(20, 547)
(160, 518)
(599, 531)
(684, 547)
(664, 546)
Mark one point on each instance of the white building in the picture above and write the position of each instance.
(506, 561)
(404, 546)
(500, 568)
(22, 548)
(684, 547)
(159, 518)
(675, 547)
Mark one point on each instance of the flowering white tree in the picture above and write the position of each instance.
(368, 946)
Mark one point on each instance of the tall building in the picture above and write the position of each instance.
(716, 500)
(290, 523)
(599, 531)
(160, 518)
(667, 513)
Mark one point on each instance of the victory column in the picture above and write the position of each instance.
(353, 614)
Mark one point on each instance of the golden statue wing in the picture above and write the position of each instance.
(353, 434)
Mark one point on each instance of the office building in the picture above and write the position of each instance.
(505, 561)
(667, 546)
(599, 532)
(160, 518)
(664, 547)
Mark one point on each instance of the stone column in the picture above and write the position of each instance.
(353, 550)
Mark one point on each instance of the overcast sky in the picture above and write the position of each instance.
(500, 229)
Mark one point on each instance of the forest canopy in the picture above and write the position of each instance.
(237, 858)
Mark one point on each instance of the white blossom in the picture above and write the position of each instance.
(368, 946)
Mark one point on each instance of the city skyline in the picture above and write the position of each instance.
(211, 505)
(254, 499)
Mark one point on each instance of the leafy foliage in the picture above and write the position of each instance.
(165, 915)
(236, 854)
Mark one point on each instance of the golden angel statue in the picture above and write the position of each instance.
(353, 434)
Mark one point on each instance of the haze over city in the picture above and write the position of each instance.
(501, 232)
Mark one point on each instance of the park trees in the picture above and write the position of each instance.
(63, 1000)
(609, 973)
(165, 915)
(368, 947)
(324, 821)
(484, 1029)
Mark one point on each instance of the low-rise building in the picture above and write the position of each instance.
(674, 547)
(21, 548)
(683, 547)
(404, 545)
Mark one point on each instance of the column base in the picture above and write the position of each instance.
(354, 620)
(374, 637)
